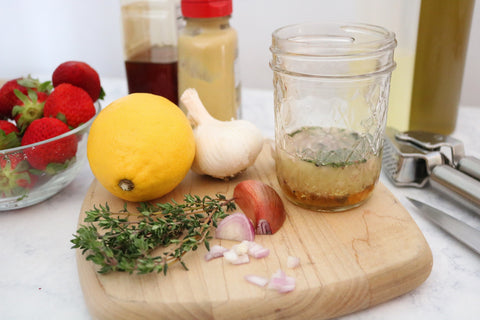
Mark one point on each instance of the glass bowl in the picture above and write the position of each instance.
(22, 186)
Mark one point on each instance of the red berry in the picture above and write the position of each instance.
(79, 74)
(54, 152)
(7, 127)
(8, 99)
(9, 135)
(15, 177)
(29, 108)
(70, 104)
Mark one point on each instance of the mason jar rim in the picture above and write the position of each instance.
(331, 39)
(331, 50)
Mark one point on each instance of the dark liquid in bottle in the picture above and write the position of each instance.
(154, 71)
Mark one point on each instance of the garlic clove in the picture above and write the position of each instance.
(224, 149)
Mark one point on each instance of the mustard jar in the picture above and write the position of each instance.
(207, 56)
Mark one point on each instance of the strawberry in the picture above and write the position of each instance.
(29, 108)
(79, 74)
(9, 135)
(15, 177)
(55, 155)
(70, 104)
(8, 99)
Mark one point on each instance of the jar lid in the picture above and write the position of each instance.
(206, 8)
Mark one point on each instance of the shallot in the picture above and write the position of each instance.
(242, 247)
(215, 251)
(234, 258)
(257, 251)
(235, 227)
(256, 280)
(239, 254)
(262, 204)
(236, 254)
(281, 282)
(292, 262)
(251, 248)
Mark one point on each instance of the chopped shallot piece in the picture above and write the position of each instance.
(281, 282)
(241, 248)
(256, 280)
(258, 251)
(234, 258)
(216, 251)
(292, 262)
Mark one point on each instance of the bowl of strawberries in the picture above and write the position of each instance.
(43, 132)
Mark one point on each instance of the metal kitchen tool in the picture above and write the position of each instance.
(412, 160)
(458, 229)
(450, 147)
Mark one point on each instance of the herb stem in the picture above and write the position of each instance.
(126, 245)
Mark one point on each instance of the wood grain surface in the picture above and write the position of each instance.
(348, 261)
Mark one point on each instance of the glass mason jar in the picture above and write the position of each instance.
(331, 87)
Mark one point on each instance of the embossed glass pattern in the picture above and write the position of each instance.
(331, 86)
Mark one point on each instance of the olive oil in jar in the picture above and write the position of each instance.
(327, 169)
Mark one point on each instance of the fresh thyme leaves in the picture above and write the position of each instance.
(333, 147)
(125, 241)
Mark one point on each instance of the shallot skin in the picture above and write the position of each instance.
(262, 204)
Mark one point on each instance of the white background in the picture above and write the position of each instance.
(36, 36)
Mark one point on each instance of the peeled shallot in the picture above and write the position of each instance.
(215, 251)
(234, 258)
(235, 227)
(281, 282)
(256, 280)
(292, 262)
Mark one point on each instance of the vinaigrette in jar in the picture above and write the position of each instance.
(327, 169)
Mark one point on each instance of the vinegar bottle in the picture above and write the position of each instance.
(150, 32)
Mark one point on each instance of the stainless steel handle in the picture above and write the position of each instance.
(457, 185)
(470, 165)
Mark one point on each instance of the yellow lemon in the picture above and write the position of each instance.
(140, 147)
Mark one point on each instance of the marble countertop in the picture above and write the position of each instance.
(38, 269)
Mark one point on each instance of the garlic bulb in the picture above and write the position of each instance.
(224, 149)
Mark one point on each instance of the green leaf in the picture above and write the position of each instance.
(61, 116)
(46, 87)
(127, 239)
(102, 94)
(10, 140)
(54, 167)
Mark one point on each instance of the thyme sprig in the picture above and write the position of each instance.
(126, 241)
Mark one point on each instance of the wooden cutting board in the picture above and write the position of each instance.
(348, 261)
